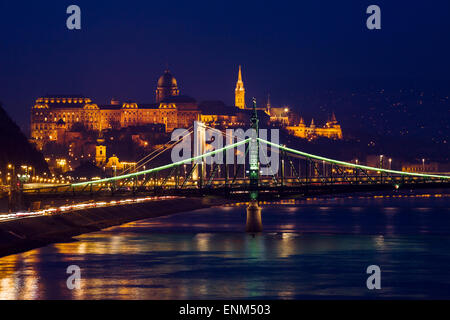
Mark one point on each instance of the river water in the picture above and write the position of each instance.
(315, 248)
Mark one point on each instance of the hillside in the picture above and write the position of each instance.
(15, 148)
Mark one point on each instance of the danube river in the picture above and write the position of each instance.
(316, 248)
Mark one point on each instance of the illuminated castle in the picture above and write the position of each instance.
(331, 130)
(53, 117)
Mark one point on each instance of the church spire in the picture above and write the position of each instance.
(268, 105)
(239, 92)
(100, 149)
(333, 117)
(100, 139)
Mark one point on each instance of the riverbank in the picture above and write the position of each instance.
(29, 233)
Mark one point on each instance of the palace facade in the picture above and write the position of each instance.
(51, 116)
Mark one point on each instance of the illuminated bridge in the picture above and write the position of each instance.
(298, 174)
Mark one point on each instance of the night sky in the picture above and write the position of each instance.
(286, 48)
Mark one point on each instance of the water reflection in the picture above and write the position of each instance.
(316, 248)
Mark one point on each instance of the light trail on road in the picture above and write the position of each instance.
(79, 206)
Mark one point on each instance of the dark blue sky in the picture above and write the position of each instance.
(286, 48)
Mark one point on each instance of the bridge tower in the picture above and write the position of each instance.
(254, 221)
(199, 173)
(254, 151)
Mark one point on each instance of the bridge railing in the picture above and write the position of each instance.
(315, 170)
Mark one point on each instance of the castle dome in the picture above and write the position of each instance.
(167, 80)
(167, 87)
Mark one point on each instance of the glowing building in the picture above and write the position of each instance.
(239, 92)
(331, 130)
(61, 118)
(52, 116)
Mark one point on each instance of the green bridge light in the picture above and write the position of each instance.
(167, 166)
(351, 165)
(301, 153)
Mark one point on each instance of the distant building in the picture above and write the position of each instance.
(61, 118)
(58, 165)
(52, 116)
(217, 114)
(100, 152)
(423, 167)
(112, 163)
(278, 115)
(331, 130)
(115, 166)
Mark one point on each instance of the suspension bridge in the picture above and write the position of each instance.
(298, 173)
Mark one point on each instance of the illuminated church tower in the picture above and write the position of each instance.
(100, 151)
(239, 93)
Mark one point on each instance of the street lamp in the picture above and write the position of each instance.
(423, 165)
(31, 171)
(12, 167)
(356, 170)
(390, 163)
(144, 174)
(381, 167)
